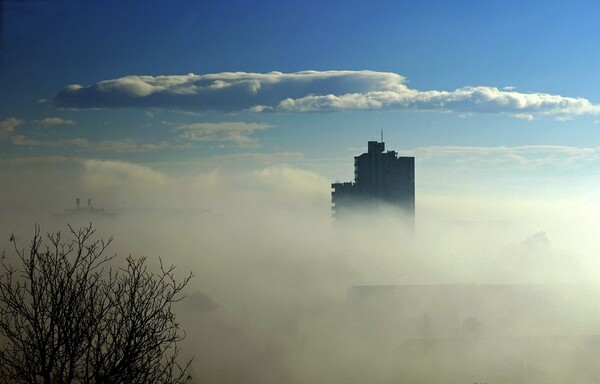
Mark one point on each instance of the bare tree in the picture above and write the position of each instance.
(67, 317)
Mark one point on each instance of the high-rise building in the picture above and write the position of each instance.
(379, 177)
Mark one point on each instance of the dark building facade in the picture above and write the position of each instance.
(379, 177)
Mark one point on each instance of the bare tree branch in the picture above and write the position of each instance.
(67, 317)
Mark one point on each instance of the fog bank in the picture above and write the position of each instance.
(483, 289)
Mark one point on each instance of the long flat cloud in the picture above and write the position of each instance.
(310, 91)
(119, 146)
(523, 155)
(236, 132)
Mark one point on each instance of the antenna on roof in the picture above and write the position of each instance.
(382, 135)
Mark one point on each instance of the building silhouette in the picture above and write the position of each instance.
(83, 214)
(379, 177)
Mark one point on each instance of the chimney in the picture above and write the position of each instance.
(90, 203)
(78, 202)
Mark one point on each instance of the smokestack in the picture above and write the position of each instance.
(77, 201)
(90, 203)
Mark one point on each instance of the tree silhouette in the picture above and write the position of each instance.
(67, 317)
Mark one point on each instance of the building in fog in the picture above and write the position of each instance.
(379, 177)
(83, 213)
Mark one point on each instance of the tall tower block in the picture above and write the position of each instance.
(379, 177)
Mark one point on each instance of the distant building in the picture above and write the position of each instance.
(84, 213)
(379, 177)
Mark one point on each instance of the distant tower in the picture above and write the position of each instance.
(379, 177)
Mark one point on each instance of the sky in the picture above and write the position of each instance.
(490, 97)
(213, 130)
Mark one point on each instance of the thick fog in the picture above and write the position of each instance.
(485, 288)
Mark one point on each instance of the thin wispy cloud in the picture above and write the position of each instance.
(53, 121)
(525, 155)
(118, 146)
(239, 133)
(36, 161)
(312, 91)
(7, 126)
(523, 116)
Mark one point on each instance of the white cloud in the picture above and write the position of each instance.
(311, 91)
(468, 99)
(564, 118)
(52, 121)
(236, 132)
(259, 109)
(119, 146)
(524, 155)
(523, 116)
(127, 145)
(7, 126)
(23, 140)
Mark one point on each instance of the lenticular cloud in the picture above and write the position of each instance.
(309, 91)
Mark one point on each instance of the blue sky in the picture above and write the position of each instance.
(477, 90)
